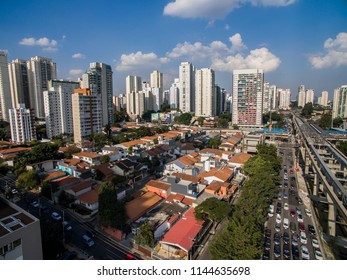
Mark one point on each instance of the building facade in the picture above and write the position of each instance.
(248, 97)
(187, 87)
(284, 98)
(340, 102)
(174, 94)
(323, 99)
(22, 123)
(133, 84)
(205, 95)
(5, 89)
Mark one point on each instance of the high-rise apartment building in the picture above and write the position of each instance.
(309, 96)
(220, 100)
(187, 87)
(248, 97)
(58, 107)
(267, 98)
(284, 98)
(99, 80)
(40, 71)
(133, 84)
(22, 123)
(301, 96)
(323, 100)
(18, 71)
(157, 99)
(340, 102)
(119, 102)
(5, 89)
(156, 81)
(274, 99)
(205, 95)
(174, 94)
(87, 115)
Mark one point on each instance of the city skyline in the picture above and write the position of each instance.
(295, 41)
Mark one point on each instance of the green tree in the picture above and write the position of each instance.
(105, 159)
(146, 115)
(213, 209)
(200, 120)
(70, 150)
(307, 110)
(214, 143)
(337, 122)
(223, 123)
(235, 126)
(342, 146)
(145, 235)
(325, 121)
(185, 118)
(111, 211)
(29, 180)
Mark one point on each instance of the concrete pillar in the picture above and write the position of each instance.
(331, 217)
(307, 162)
(315, 184)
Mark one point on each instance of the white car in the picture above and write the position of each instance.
(67, 226)
(315, 243)
(56, 216)
(278, 219)
(303, 237)
(304, 253)
(318, 255)
(300, 218)
(308, 212)
(286, 206)
(35, 204)
(285, 223)
(271, 210)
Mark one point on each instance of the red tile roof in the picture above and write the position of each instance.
(87, 154)
(186, 177)
(184, 231)
(158, 185)
(240, 158)
(90, 197)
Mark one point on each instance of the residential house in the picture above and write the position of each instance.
(223, 174)
(89, 200)
(183, 164)
(115, 153)
(238, 160)
(88, 157)
(133, 171)
(158, 187)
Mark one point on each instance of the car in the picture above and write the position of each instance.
(286, 251)
(285, 184)
(298, 210)
(267, 232)
(271, 210)
(292, 227)
(266, 255)
(315, 243)
(286, 238)
(56, 216)
(291, 171)
(130, 257)
(295, 240)
(300, 218)
(88, 241)
(303, 238)
(278, 219)
(318, 255)
(311, 229)
(67, 226)
(285, 223)
(278, 227)
(299, 200)
(285, 195)
(308, 212)
(14, 191)
(277, 250)
(301, 226)
(267, 244)
(286, 206)
(277, 238)
(304, 253)
(279, 196)
(295, 252)
(35, 203)
(292, 212)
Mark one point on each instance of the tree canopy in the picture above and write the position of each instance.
(145, 235)
(213, 209)
(185, 118)
(214, 143)
(307, 110)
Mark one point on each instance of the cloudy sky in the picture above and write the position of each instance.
(294, 41)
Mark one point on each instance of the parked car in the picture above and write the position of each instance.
(295, 240)
(301, 226)
(56, 216)
(308, 212)
(315, 243)
(300, 218)
(286, 251)
(318, 255)
(292, 227)
(277, 250)
(277, 238)
(35, 203)
(285, 223)
(292, 212)
(278, 219)
(303, 238)
(311, 229)
(286, 206)
(67, 226)
(304, 253)
(286, 238)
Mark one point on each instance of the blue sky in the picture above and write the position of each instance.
(294, 41)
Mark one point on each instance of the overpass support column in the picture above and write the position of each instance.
(307, 162)
(316, 183)
(331, 217)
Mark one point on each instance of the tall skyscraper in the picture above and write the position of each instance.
(220, 100)
(323, 100)
(58, 107)
(309, 96)
(40, 71)
(284, 98)
(340, 102)
(274, 99)
(248, 97)
(174, 94)
(267, 98)
(99, 80)
(18, 71)
(22, 123)
(187, 87)
(133, 84)
(301, 96)
(119, 102)
(205, 95)
(5, 90)
(87, 115)
(157, 81)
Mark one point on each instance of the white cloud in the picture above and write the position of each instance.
(42, 42)
(236, 42)
(257, 58)
(78, 56)
(213, 9)
(76, 72)
(139, 60)
(335, 53)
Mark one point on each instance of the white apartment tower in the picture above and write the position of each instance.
(309, 96)
(248, 97)
(133, 84)
(323, 100)
(283, 98)
(186, 88)
(301, 96)
(340, 102)
(40, 71)
(267, 98)
(58, 107)
(274, 99)
(5, 89)
(157, 81)
(18, 71)
(22, 123)
(87, 115)
(205, 95)
(174, 94)
(99, 80)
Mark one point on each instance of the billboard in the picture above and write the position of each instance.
(162, 117)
